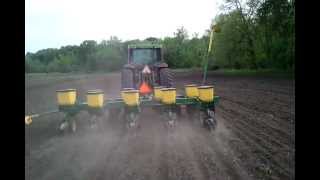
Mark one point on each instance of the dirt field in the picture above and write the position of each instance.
(254, 138)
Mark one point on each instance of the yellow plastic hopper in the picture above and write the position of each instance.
(191, 90)
(206, 93)
(168, 95)
(95, 98)
(157, 93)
(130, 97)
(66, 97)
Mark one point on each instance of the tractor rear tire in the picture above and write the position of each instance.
(127, 79)
(166, 77)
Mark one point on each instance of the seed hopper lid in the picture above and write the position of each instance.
(126, 89)
(191, 85)
(130, 90)
(96, 91)
(205, 87)
(66, 90)
(168, 89)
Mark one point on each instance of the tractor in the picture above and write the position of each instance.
(145, 69)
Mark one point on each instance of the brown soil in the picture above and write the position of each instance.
(254, 138)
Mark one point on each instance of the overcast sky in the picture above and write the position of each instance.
(56, 23)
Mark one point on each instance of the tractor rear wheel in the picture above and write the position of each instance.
(127, 79)
(166, 77)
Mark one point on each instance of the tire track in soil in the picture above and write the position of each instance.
(98, 171)
(158, 162)
(207, 161)
(260, 150)
(271, 124)
(274, 107)
(240, 152)
(137, 157)
(182, 162)
(216, 157)
(68, 157)
(254, 126)
(266, 137)
(146, 151)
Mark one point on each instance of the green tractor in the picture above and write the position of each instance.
(145, 69)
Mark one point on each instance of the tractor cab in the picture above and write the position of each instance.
(144, 54)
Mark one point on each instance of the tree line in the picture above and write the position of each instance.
(255, 34)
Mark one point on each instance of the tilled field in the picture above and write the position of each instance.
(254, 138)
